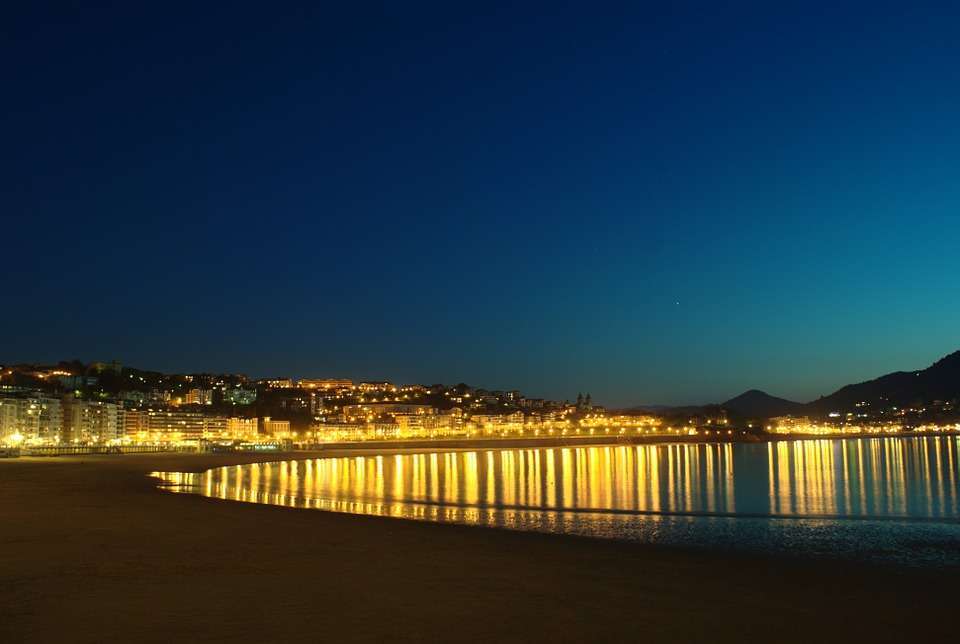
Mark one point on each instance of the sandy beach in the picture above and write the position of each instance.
(92, 551)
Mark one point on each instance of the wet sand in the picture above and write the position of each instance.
(91, 551)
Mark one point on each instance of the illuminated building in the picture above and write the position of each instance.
(273, 427)
(135, 422)
(276, 383)
(91, 421)
(804, 425)
(413, 425)
(382, 385)
(789, 424)
(198, 397)
(242, 427)
(10, 421)
(37, 419)
(619, 420)
(161, 426)
(175, 425)
(373, 409)
(325, 383)
(215, 426)
(498, 421)
(410, 423)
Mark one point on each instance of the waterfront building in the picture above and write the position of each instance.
(30, 419)
(345, 432)
(444, 424)
(371, 410)
(407, 424)
(599, 419)
(175, 425)
(273, 427)
(215, 426)
(244, 428)
(91, 421)
(165, 425)
(135, 423)
(410, 423)
(790, 424)
(9, 421)
(498, 421)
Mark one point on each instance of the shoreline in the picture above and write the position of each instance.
(122, 559)
(168, 482)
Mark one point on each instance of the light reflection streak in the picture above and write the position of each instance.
(855, 478)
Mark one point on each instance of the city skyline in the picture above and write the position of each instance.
(597, 393)
(106, 407)
(931, 384)
(665, 206)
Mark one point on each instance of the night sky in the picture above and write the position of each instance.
(654, 204)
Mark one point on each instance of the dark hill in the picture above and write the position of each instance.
(940, 381)
(758, 404)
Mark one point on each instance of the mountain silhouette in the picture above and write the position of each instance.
(940, 381)
(759, 404)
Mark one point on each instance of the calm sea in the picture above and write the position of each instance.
(873, 498)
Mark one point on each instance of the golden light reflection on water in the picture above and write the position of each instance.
(889, 477)
(871, 477)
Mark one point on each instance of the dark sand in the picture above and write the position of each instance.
(91, 551)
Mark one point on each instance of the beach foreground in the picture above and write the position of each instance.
(90, 550)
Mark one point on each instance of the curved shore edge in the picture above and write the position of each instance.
(890, 539)
(92, 536)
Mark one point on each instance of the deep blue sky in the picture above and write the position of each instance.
(655, 204)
